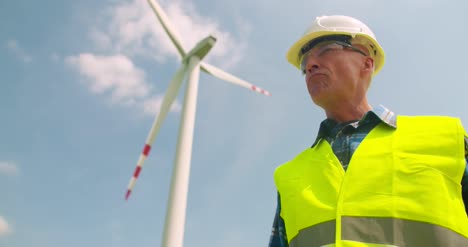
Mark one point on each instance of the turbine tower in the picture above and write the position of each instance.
(191, 64)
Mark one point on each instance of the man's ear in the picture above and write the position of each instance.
(369, 64)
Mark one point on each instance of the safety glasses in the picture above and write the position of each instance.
(324, 48)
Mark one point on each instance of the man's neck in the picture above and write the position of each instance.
(348, 112)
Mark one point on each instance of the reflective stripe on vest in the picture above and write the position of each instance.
(399, 184)
(380, 231)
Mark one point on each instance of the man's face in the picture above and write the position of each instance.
(334, 73)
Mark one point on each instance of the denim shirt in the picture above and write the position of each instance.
(344, 139)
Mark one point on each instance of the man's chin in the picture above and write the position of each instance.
(318, 100)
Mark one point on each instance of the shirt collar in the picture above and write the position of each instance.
(381, 112)
(385, 115)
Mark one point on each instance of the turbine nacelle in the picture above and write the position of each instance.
(201, 49)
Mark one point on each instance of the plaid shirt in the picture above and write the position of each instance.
(344, 138)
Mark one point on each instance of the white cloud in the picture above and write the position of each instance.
(118, 76)
(100, 39)
(14, 47)
(8, 168)
(5, 228)
(133, 29)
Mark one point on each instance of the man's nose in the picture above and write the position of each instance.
(311, 64)
(311, 67)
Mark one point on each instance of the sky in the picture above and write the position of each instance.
(83, 80)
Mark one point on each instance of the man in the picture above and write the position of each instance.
(371, 178)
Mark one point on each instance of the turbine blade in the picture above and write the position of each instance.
(217, 72)
(169, 97)
(170, 30)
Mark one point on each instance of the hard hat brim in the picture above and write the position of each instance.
(293, 55)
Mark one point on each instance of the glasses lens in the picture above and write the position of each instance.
(320, 49)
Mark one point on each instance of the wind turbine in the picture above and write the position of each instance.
(191, 64)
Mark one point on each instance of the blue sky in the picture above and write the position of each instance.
(81, 82)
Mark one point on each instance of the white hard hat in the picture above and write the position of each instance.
(338, 25)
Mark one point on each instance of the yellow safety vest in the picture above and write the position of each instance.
(401, 188)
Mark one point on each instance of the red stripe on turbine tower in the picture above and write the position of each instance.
(137, 172)
(128, 194)
(146, 150)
